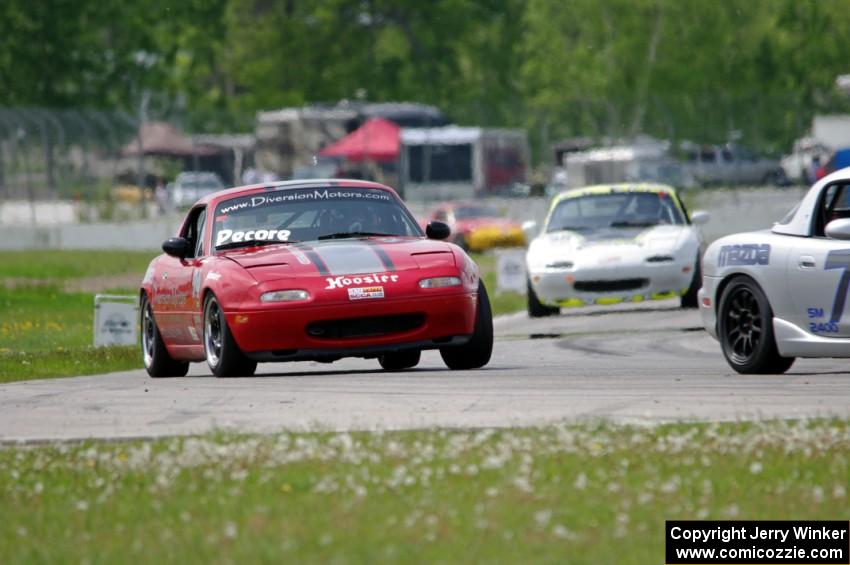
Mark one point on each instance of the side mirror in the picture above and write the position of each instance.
(700, 217)
(178, 247)
(437, 230)
(838, 229)
(529, 228)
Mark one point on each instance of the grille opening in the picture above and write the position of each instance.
(610, 286)
(444, 339)
(365, 327)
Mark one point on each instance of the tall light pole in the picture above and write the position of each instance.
(143, 114)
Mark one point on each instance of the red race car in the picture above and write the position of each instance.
(310, 270)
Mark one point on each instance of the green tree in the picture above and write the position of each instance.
(698, 70)
(685, 69)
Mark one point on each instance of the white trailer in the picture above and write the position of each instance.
(453, 162)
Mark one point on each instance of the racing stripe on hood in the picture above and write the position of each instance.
(382, 255)
(352, 258)
(314, 258)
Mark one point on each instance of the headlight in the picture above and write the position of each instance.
(439, 282)
(284, 296)
(535, 260)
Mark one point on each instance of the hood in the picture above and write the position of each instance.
(663, 238)
(342, 257)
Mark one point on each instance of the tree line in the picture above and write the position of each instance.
(682, 69)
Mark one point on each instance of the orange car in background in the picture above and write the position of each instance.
(478, 227)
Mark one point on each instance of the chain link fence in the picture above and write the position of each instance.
(78, 155)
(61, 154)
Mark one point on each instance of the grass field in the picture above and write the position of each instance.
(572, 493)
(59, 265)
(46, 327)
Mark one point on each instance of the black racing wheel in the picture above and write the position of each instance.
(745, 329)
(158, 362)
(689, 299)
(223, 355)
(476, 352)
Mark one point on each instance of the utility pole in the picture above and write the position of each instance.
(140, 181)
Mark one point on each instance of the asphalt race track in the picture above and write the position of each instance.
(640, 363)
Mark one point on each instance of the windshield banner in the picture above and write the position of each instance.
(288, 196)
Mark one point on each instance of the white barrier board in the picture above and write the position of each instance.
(510, 270)
(115, 320)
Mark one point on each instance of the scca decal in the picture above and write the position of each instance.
(365, 292)
(342, 282)
(225, 236)
(744, 254)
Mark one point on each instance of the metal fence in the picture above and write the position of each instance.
(76, 154)
(61, 154)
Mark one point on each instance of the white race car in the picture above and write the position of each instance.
(614, 243)
(770, 296)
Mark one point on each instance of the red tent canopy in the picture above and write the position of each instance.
(376, 140)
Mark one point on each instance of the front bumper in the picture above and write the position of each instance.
(283, 332)
(707, 299)
(611, 284)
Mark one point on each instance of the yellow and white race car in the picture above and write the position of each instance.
(613, 243)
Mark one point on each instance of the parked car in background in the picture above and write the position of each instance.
(478, 227)
(731, 164)
(191, 186)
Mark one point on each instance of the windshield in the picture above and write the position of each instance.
(310, 214)
(465, 212)
(614, 209)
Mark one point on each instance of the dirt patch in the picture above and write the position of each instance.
(104, 282)
(11, 283)
(85, 284)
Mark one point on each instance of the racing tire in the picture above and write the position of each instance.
(745, 330)
(476, 352)
(690, 299)
(158, 363)
(536, 309)
(224, 358)
(400, 360)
